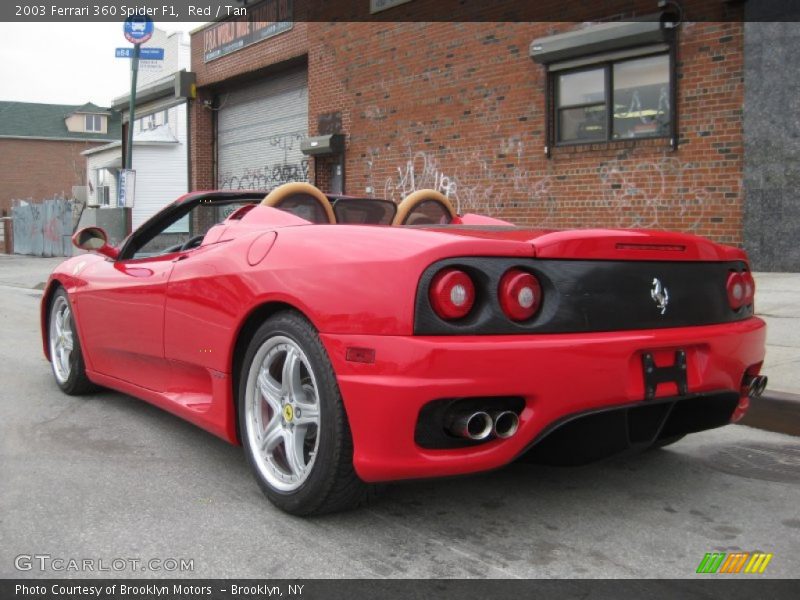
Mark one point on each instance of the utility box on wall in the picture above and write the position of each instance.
(328, 146)
(323, 145)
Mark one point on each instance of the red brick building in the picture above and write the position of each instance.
(41, 145)
(618, 128)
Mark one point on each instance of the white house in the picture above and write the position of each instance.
(160, 148)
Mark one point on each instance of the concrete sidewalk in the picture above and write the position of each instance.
(778, 303)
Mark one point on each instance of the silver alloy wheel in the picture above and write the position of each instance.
(282, 412)
(61, 339)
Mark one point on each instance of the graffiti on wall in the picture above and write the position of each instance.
(266, 177)
(286, 142)
(43, 228)
(640, 194)
(422, 171)
(291, 167)
(637, 193)
(473, 186)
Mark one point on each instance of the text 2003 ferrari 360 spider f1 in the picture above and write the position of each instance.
(345, 341)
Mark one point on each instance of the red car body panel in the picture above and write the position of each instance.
(383, 400)
(164, 328)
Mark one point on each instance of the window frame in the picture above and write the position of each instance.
(554, 109)
(558, 109)
(152, 120)
(102, 188)
(96, 120)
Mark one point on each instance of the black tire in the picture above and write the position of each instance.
(667, 441)
(331, 484)
(76, 383)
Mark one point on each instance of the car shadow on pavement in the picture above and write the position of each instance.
(485, 491)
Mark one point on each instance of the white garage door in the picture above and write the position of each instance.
(259, 130)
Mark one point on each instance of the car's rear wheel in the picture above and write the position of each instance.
(292, 421)
(66, 357)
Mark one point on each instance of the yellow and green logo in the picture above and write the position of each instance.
(735, 562)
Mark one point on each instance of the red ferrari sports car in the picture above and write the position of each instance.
(346, 341)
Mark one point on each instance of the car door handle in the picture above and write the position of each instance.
(181, 257)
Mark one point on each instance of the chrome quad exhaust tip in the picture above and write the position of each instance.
(757, 386)
(475, 425)
(505, 424)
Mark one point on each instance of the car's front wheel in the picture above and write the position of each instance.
(66, 357)
(292, 421)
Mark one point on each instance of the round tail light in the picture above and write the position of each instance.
(749, 287)
(736, 290)
(452, 294)
(520, 295)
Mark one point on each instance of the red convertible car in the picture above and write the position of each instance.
(346, 341)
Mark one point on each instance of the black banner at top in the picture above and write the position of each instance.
(204, 11)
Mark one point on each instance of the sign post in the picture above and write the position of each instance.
(137, 31)
(127, 188)
(132, 106)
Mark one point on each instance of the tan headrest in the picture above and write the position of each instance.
(415, 198)
(285, 191)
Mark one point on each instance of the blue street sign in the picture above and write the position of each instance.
(126, 193)
(146, 53)
(138, 29)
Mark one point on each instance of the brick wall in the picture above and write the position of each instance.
(40, 169)
(460, 107)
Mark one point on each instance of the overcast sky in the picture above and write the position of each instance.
(66, 63)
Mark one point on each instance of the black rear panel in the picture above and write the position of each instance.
(588, 295)
(582, 438)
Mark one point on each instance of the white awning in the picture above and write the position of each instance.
(114, 163)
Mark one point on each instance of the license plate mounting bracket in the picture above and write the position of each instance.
(654, 375)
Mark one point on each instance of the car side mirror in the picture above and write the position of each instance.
(94, 239)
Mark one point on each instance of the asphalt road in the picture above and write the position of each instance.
(108, 476)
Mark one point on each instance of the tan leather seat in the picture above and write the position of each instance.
(404, 214)
(284, 195)
(419, 219)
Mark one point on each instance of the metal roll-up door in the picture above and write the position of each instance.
(259, 130)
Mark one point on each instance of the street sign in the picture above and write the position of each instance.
(146, 53)
(138, 29)
(127, 188)
(151, 66)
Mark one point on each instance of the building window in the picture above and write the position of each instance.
(147, 123)
(617, 100)
(103, 188)
(94, 123)
(152, 121)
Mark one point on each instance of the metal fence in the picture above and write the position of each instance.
(43, 228)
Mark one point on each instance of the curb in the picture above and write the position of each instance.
(775, 411)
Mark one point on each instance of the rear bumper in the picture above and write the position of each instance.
(557, 375)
